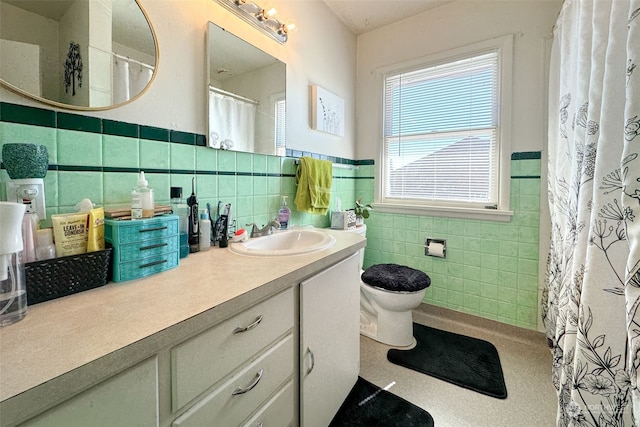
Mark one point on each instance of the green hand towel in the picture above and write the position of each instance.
(314, 185)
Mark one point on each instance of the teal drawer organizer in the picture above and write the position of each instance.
(144, 246)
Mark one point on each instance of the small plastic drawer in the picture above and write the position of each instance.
(121, 232)
(123, 271)
(147, 248)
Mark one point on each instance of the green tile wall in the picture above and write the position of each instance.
(100, 160)
(491, 269)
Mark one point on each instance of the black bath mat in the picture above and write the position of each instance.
(369, 405)
(468, 362)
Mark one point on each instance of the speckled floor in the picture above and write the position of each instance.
(526, 363)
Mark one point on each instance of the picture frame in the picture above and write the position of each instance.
(327, 111)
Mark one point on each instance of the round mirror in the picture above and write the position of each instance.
(77, 54)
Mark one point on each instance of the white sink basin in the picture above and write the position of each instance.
(284, 243)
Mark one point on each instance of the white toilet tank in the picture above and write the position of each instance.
(363, 231)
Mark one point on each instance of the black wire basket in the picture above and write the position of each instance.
(59, 277)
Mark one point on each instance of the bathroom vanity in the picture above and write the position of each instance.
(223, 338)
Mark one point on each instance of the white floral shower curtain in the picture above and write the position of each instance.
(593, 292)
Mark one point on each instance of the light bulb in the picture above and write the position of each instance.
(290, 26)
(270, 11)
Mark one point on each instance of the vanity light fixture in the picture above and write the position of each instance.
(263, 18)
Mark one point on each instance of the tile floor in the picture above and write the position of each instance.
(526, 363)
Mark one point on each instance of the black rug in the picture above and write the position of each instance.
(468, 362)
(369, 405)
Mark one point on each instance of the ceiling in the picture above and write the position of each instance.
(361, 16)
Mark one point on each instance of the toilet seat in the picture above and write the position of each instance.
(395, 278)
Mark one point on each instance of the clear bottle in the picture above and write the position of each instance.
(180, 208)
(142, 204)
(284, 214)
(205, 231)
(45, 249)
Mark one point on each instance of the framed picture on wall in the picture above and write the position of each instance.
(327, 111)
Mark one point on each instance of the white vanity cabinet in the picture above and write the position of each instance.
(329, 341)
(127, 399)
(283, 351)
(234, 368)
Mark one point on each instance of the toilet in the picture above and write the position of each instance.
(388, 294)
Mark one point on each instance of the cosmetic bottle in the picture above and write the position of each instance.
(205, 231)
(284, 214)
(142, 204)
(45, 249)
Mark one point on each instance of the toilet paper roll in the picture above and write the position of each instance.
(436, 249)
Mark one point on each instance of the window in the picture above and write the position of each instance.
(444, 132)
(280, 126)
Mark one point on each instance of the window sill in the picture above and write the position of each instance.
(449, 212)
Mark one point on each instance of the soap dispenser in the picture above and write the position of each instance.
(284, 214)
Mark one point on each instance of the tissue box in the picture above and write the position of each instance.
(343, 220)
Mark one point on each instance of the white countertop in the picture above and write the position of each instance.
(59, 336)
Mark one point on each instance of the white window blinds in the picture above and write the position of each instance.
(441, 133)
(280, 126)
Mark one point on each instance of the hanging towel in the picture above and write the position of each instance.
(314, 185)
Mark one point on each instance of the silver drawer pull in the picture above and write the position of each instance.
(313, 360)
(250, 386)
(146, 230)
(249, 327)
(159, 245)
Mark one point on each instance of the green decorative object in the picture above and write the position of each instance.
(24, 161)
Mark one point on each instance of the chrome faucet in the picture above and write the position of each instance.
(266, 230)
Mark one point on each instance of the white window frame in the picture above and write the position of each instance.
(279, 98)
(504, 47)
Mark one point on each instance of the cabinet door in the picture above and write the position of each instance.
(329, 340)
(128, 399)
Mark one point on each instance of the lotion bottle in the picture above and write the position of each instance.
(142, 204)
(284, 214)
(205, 231)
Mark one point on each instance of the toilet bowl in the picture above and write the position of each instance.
(385, 315)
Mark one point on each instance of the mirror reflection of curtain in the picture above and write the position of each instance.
(129, 79)
(231, 123)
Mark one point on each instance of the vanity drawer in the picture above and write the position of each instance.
(147, 248)
(199, 363)
(120, 232)
(123, 271)
(277, 412)
(257, 381)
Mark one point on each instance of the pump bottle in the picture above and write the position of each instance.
(284, 214)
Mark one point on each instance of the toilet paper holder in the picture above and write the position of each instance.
(435, 247)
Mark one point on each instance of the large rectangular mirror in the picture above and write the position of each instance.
(246, 93)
